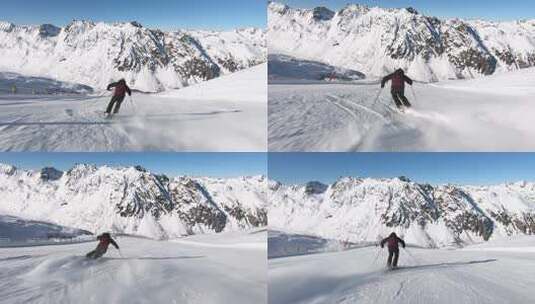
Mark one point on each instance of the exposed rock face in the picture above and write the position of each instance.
(133, 200)
(151, 60)
(355, 209)
(50, 174)
(377, 41)
(315, 188)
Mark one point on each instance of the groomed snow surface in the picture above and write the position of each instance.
(485, 273)
(492, 113)
(224, 114)
(192, 270)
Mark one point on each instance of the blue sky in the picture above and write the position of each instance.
(485, 9)
(172, 164)
(164, 14)
(434, 168)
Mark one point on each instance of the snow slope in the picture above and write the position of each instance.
(486, 114)
(284, 244)
(376, 41)
(425, 276)
(283, 69)
(14, 229)
(360, 210)
(13, 83)
(150, 60)
(134, 201)
(144, 271)
(224, 114)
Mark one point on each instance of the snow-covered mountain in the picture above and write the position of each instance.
(17, 229)
(358, 210)
(133, 200)
(150, 60)
(376, 41)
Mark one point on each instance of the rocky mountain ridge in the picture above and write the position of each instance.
(363, 209)
(376, 41)
(133, 200)
(151, 60)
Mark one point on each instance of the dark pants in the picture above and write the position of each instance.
(400, 99)
(97, 253)
(392, 253)
(117, 101)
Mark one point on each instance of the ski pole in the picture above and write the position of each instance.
(377, 97)
(413, 94)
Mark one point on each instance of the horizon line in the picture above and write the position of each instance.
(143, 25)
(444, 18)
(409, 180)
(150, 171)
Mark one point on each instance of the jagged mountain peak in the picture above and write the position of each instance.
(81, 169)
(133, 200)
(380, 40)
(322, 13)
(412, 10)
(50, 174)
(49, 30)
(6, 26)
(315, 187)
(278, 7)
(359, 209)
(151, 60)
(7, 169)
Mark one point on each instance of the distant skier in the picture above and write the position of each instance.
(118, 95)
(392, 243)
(397, 87)
(104, 241)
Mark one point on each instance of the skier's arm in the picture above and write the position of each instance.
(117, 246)
(128, 90)
(111, 85)
(407, 80)
(383, 242)
(385, 79)
(402, 242)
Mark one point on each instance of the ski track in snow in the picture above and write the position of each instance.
(466, 115)
(424, 276)
(197, 118)
(145, 271)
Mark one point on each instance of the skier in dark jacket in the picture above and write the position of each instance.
(118, 95)
(392, 243)
(397, 87)
(104, 241)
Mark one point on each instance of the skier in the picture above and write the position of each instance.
(118, 95)
(397, 88)
(392, 242)
(104, 241)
